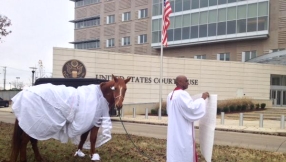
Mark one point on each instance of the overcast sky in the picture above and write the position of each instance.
(37, 27)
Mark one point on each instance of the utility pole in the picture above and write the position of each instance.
(4, 77)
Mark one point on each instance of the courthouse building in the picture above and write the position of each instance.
(212, 40)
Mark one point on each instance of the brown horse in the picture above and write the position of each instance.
(113, 91)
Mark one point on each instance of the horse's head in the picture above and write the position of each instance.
(118, 89)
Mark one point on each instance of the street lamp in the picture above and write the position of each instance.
(10, 85)
(33, 72)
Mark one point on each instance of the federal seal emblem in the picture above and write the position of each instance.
(74, 69)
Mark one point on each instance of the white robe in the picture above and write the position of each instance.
(48, 111)
(182, 112)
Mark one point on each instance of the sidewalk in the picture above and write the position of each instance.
(270, 127)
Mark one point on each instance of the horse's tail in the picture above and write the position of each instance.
(16, 141)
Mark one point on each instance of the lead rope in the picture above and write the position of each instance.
(141, 152)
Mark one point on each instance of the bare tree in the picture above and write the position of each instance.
(20, 85)
(14, 84)
(4, 23)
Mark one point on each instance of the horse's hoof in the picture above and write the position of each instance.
(79, 153)
(95, 157)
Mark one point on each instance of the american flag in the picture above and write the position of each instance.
(166, 21)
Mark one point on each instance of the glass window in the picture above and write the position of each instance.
(155, 1)
(252, 10)
(177, 34)
(186, 5)
(170, 33)
(156, 9)
(252, 25)
(221, 28)
(231, 27)
(142, 38)
(204, 17)
(203, 30)
(200, 57)
(186, 33)
(212, 30)
(110, 42)
(186, 20)
(212, 16)
(195, 18)
(178, 5)
(155, 24)
(262, 23)
(126, 16)
(110, 19)
(143, 13)
(172, 21)
(212, 2)
(178, 21)
(203, 3)
(194, 32)
(172, 3)
(231, 1)
(231, 13)
(241, 26)
(155, 36)
(222, 14)
(222, 2)
(250, 55)
(125, 41)
(195, 4)
(224, 56)
(263, 9)
(241, 12)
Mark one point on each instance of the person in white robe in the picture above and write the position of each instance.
(55, 111)
(182, 112)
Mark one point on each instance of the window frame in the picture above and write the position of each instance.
(144, 40)
(110, 42)
(108, 19)
(145, 13)
(128, 16)
(123, 41)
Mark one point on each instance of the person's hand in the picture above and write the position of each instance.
(205, 95)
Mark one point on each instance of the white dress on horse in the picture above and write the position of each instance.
(48, 111)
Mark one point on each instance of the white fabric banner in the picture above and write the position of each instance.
(207, 126)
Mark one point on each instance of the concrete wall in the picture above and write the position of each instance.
(228, 79)
(7, 95)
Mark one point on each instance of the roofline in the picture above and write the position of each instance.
(85, 41)
(89, 18)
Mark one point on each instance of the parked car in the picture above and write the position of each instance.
(4, 103)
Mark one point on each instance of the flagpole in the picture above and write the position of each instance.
(161, 65)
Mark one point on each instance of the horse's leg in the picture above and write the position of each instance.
(34, 143)
(16, 141)
(80, 145)
(23, 149)
(93, 136)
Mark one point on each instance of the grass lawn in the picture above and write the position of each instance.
(120, 149)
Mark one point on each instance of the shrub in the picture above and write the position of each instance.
(251, 106)
(231, 108)
(218, 111)
(263, 105)
(257, 106)
(154, 112)
(163, 108)
(243, 107)
(233, 103)
(238, 107)
(225, 109)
